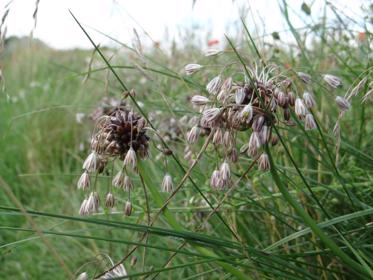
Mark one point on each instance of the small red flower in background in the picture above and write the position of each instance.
(212, 42)
(361, 36)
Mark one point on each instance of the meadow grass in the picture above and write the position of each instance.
(309, 217)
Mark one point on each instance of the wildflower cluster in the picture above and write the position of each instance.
(264, 99)
(120, 135)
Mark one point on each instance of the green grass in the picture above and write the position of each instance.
(309, 217)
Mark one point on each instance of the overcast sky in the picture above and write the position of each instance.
(117, 18)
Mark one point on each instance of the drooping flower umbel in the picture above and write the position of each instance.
(120, 135)
(263, 99)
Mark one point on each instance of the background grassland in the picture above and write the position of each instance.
(42, 147)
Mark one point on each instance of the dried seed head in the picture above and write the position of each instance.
(225, 171)
(309, 122)
(304, 77)
(130, 159)
(200, 100)
(118, 180)
(300, 109)
(127, 208)
(263, 162)
(192, 68)
(84, 181)
(127, 184)
(91, 163)
(240, 95)
(193, 134)
(119, 131)
(167, 184)
(109, 200)
(309, 100)
(342, 103)
(213, 87)
(332, 80)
